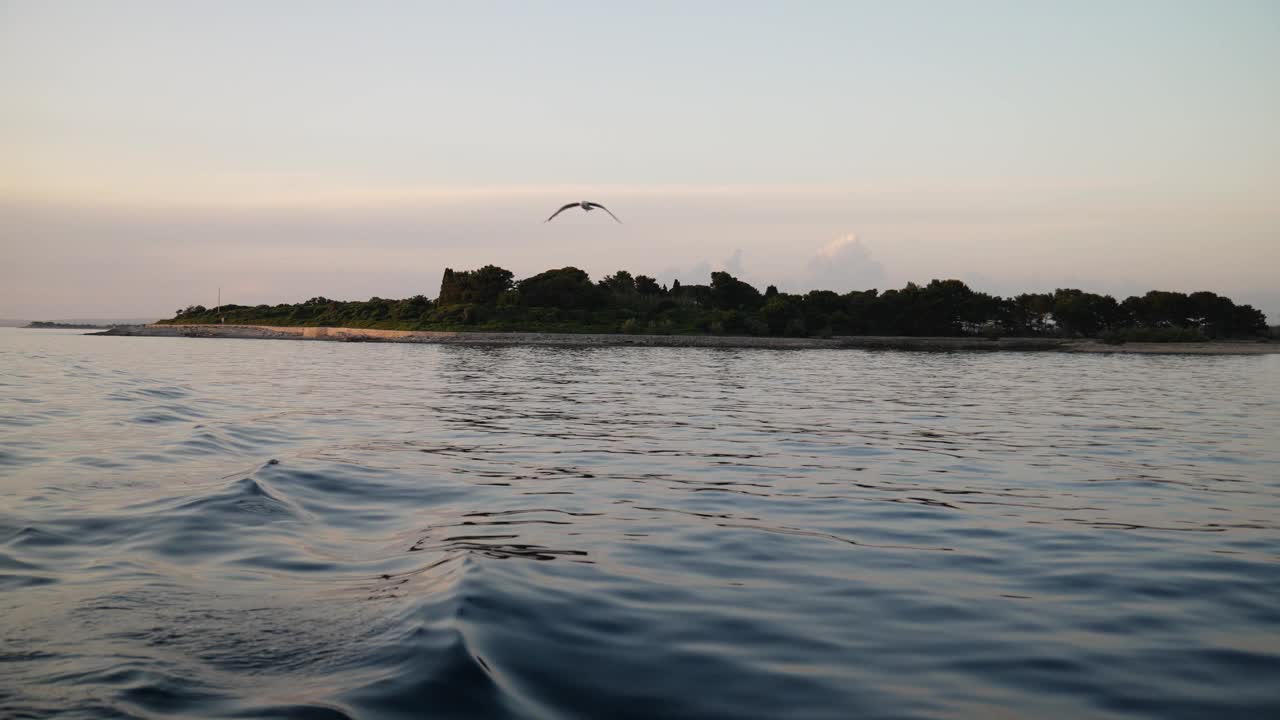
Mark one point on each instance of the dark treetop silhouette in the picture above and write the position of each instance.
(586, 207)
(566, 300)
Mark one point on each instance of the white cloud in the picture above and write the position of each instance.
(697, 274)
(733, 265)
(700, 272)
(842, 265)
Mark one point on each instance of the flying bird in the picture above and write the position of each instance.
(586, 206)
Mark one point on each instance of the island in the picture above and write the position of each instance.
(565, 300)
(564, 306)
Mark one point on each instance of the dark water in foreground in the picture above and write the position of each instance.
(238, 528)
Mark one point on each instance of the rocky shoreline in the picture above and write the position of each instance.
(262, 332)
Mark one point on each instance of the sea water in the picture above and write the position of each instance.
(244, 528)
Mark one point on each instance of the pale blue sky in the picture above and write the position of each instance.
(283, 149)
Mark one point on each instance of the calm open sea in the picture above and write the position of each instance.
(244, 528)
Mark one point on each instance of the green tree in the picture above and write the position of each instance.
(1081, 313)
(646, 285)
(779, 311)
(730, 293)
(481, 286)
(620, 284)
(1159, 308)
(564, 288)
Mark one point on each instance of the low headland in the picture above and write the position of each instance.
(564, 307)
(46, 325)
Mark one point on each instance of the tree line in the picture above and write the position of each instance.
(567, 300)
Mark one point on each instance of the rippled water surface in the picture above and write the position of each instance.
(241, 528)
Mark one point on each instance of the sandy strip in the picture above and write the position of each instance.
(263, 332)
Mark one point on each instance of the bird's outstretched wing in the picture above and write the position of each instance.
(615, 217)
(566, 207)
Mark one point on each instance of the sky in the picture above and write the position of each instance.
(154, 152)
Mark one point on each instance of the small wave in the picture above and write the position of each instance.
(246, 501)
(321, 530)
